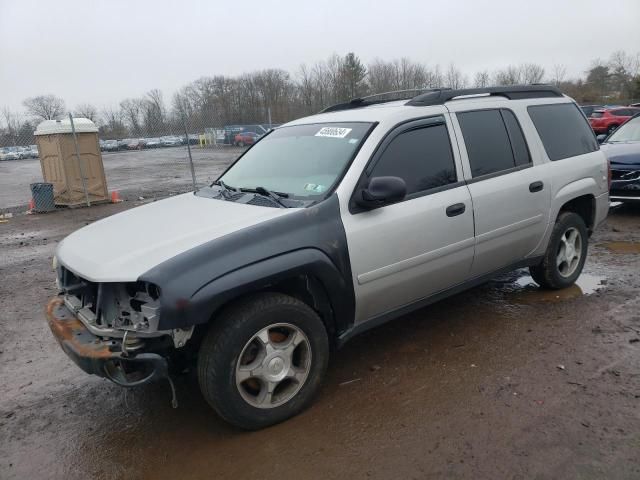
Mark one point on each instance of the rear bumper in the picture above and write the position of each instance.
(98, 356)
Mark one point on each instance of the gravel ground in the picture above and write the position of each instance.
(146, 173)
(503, 381)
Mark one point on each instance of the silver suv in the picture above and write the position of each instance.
(328, 226)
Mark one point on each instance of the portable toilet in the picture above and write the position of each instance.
(64, 168)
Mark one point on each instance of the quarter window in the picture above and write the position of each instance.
(563, 130)
(518, 143)
(494, 141)
(422, 157)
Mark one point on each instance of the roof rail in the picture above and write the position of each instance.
(512, 92)
(438, 96)
(376, 99)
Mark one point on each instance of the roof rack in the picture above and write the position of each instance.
(438, 96)
(377, 98)
(512, 92)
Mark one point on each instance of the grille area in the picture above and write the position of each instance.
(625, 174)
(126, 306)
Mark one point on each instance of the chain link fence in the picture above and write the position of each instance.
(142, 160)
(147, 152)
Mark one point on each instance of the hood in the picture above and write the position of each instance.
(122, 247)
(627, 153)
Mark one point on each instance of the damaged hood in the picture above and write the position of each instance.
(122, 247)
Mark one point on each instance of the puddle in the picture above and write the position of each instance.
(525, 290)
(622, 247)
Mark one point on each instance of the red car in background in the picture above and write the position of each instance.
(245, 138)
(608, 119)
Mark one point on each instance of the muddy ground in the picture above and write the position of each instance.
(146, 173)
(503, 381)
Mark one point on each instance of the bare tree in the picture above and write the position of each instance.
(154, 111)
(531, 73)
(112, 123)
(131, 110)
(46, 107)
(558, 74)
(12, 120)
(453, 78)
(508, 76)
(481, 79)
(87, 110)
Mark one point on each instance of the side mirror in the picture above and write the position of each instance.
(381, 191)
(601, 138)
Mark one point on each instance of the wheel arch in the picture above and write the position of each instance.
(578, 197)
(307, 274)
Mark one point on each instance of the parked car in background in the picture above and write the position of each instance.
(136, 144)
(122, 144)
(33, 151)
(11, 153)
(192, 139)
(110, 146)
(589, 109)
(171, 141)
(607, 120)
(153, 142)
(622, 148)
(4, 154)
(245, 138)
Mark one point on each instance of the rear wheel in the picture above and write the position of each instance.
(263, 360)
(611, 129)
(565, 255)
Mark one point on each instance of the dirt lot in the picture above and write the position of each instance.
(144, 173)
(503, 381)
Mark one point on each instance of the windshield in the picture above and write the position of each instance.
(302, 161)
(628, 132)
(597, 114)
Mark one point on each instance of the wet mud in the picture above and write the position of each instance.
(502, 381)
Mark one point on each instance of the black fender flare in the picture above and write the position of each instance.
(309, 262)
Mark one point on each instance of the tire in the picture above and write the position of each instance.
(554, 272)
(222, 360)
(611, 129)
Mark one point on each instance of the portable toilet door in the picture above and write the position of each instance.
(62, 167)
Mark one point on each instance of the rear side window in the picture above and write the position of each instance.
(494, 141)
(421, 157)
(518, 143)
(563, 130)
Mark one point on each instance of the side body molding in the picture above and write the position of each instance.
(308, 242)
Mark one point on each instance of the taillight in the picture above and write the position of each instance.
(609, 173)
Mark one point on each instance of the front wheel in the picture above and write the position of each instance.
(611, 129)
(263, 360)
(565, 255)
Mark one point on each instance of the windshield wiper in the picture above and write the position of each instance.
(226, 189)
(275, 196)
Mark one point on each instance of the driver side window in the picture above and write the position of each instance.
(421, 156)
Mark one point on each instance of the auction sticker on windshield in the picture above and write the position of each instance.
(335, 132)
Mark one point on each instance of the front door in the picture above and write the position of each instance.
(407, 251)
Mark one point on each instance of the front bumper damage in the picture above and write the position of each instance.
(106, 357)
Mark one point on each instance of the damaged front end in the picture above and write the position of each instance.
(111, 329)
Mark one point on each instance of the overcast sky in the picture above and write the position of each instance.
(103, 51)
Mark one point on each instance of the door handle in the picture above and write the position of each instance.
(455, 209)
(536, 186)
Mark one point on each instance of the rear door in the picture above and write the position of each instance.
(510, 192)
(404, 252)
